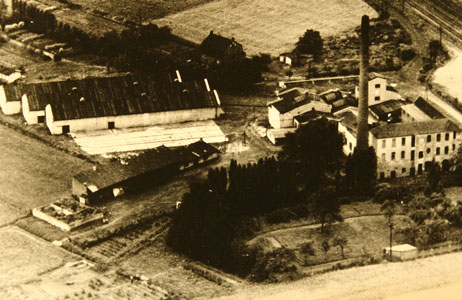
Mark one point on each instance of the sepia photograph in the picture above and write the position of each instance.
(230, 149)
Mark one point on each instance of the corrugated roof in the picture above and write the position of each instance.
(428, 109)
(414, 128)
(149, 161)
(312, 115)
(12, 92)
(114, 96)
(384, 108)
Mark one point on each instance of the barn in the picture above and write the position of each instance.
(118, 102)
(10, 99)
(151, 167)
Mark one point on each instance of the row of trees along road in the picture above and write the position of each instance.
(219, 214)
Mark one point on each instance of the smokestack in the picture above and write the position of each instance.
(362, 135)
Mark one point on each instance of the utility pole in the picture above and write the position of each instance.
(391, 238)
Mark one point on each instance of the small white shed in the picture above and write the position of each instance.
(403, 252)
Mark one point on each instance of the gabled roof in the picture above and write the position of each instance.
(12, 92)
(384, 108)
(415, 113)
(313, 115)
(428, 109)
(115, 96)
(155, 159)
(215, 45)
(331, 96)
(414, 128)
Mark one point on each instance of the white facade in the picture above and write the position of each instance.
(280, 120)
(126, 121)
(31, 117)
(406, 155)
(378, 91)
(8, 106)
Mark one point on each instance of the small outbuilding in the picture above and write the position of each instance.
(10, 99)
(403, 252)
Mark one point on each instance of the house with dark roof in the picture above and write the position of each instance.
(119, 102)
(388, 111)
(291, 103)
(379, 89)
(419, 111)
(10, 99)
(405, 149)
(151, 167)
(222, 49)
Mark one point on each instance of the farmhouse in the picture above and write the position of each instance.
(118, 102)
(379, 90)
(149, 168)
(291, 103)
(407, 148)
(10, 99)
(223, 49)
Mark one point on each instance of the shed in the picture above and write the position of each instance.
(403, 252)
(10, 99)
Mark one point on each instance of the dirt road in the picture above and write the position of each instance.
(381, 281)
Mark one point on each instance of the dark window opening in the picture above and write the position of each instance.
(438, 137)
(412, 155)
(66, 129)
(41, 119)
(403, 141)
(111, 125)
(412, 171)
(419, 169)
(420, 154)
(403, 170)
(413, 141)
(446, 150)
(382, 175)
(437, 150)
(446, 136)
(429, 138)
(403, 154)
(393, 174)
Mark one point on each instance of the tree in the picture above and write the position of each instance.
(307, 250)
(326, 206)
(341, 242)
(434, 49)
(389, 209)
(310, 43)
(317, 150)
(433, 178)
(362, 170)
(325, 246)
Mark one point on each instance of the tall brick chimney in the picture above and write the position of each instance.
(362, 134)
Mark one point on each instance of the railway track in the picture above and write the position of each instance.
(446, 15)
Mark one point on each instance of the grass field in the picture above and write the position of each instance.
(267, 26)
(33, 173)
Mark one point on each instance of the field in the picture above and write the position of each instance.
(33, 173)
(267, 26)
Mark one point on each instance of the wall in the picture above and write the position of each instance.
(286, 120)
(402, 167)
(9, 107)
(31, 117)
(350, 139)
(135, 120)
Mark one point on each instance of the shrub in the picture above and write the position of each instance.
(277, 266)
(407, 54)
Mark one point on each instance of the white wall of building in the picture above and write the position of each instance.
(9, 107)
(286, 120)
(31, 117)
(135, 120)
(378, 92)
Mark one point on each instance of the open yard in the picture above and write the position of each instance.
(267, 26)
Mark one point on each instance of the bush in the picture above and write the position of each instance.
(277, 266)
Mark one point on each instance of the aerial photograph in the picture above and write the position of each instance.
(230, 149)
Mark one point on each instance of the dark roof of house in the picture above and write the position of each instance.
(391, 89)
(312, 115)
(428, 109)
(114, 96)
(406, 129)
(383, 109)
(215, 45)
(155, 159)
(12, 92)
(331, 96)
(350, 120)
(284, 106)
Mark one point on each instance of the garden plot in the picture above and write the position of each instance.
(132, 139)
(267, 26)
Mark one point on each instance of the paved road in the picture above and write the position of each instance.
(383, 281)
